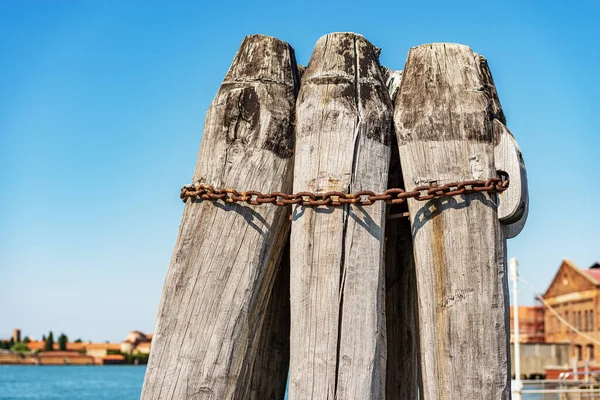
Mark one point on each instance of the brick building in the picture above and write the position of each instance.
(531, 324)
(575, 295)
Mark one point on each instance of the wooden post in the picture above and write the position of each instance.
(444, 118)
(343, 129)
(218, 286)
(402, 378)
(514, 204)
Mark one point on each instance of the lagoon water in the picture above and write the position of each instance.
(107, 382)
(31, 382)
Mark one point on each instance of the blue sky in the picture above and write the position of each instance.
(101, 113)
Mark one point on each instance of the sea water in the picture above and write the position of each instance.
(110, 382)
(46, 382)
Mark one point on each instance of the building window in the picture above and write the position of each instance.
(587, 320)
(590, 352)
(578, 352)
(592, 326)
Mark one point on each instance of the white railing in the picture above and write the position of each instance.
(561, 389)
(564, 376)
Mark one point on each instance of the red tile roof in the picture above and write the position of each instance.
(37, 345)
(107, 346)
(594, 273)
(76, 346)
(71, 346)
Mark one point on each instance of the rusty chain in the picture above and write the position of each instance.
(361, 198)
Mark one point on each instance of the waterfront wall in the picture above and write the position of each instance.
(536, 356)
(9, 357)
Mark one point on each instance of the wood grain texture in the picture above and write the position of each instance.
(212, 311)
(343, 131)
(514, 203)
(392, 81)
(402, 322)
(444, 115)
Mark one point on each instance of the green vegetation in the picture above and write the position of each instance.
(21, 347)
(49, 345)
(62, 342)
(131, 358)
(11, 345)
(137, 358)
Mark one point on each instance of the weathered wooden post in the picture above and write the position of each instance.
(428, 294)
(217, 290)
(343, 129)
(447, 117)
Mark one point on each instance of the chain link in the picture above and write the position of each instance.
(333, 199)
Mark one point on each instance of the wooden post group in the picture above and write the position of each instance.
(345, 302)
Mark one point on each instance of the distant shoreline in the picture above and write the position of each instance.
(8, 357)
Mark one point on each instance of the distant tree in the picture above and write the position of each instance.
(20, 347)
(62, 342)
(11, 342)
(26, 339)
(78, 341)
(43, 338)
(49, 345)
(4, 344)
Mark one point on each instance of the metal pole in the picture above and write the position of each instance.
(587, 368)
(517, 353)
